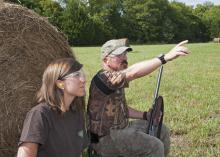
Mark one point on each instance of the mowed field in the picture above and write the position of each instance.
(191, 89)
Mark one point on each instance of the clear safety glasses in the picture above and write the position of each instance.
(76, 74)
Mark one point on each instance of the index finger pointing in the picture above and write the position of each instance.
(182, 43)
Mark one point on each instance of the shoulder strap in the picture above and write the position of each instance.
(102, 86)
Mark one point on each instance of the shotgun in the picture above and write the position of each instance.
(156, 114)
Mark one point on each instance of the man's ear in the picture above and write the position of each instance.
(60, 84)
(106, 60)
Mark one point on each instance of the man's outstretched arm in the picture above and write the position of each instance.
(146, 67)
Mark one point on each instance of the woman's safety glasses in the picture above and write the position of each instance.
(76, 74)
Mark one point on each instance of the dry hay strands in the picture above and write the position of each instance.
(28, 43)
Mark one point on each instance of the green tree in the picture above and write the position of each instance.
(52, 10)
(87, 22)
(212, 20)
(76, 24)
(147, 20)
(186, 24)
(202, 8)
(107, 15)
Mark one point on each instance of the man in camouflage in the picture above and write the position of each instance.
(112, 135)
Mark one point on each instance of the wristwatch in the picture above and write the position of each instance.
(161, 58)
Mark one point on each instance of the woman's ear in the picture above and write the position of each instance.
(60, 84)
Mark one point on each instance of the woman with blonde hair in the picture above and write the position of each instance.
(55, 127)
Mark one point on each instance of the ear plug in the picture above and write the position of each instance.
(61, 86)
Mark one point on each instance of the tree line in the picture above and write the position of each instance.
(92, 22)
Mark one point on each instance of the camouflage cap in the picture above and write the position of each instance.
(115, 47)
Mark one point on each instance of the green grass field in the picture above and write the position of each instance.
(191, 90)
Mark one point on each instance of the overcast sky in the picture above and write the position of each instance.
(195, 2)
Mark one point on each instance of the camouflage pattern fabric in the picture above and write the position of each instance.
(133, 141)
(108, 111)
(108, 118)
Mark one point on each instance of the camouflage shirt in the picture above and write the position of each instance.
(108, 111)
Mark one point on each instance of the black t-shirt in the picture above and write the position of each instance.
(57, 135)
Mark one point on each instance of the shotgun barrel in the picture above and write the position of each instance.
(156, 115)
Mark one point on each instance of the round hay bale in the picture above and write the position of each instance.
(28, 43)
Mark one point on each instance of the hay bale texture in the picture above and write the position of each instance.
(28, 43)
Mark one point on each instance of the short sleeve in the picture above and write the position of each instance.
(114, 80)
(35, 128)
